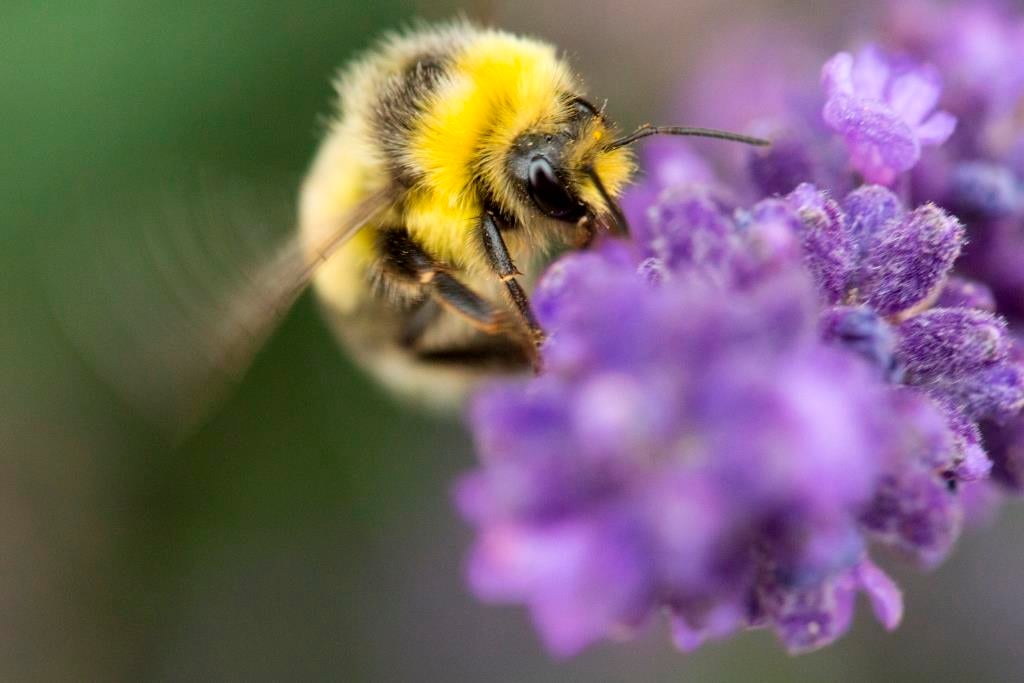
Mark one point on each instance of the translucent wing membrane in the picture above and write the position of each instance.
(171, 308)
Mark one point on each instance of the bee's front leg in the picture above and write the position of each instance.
(503, 266)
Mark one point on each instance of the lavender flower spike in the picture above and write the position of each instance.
(696, 449)
(883, 108)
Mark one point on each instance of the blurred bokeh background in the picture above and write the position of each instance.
(305, 532)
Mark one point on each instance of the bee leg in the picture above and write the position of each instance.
(505, 269)
(405, 260)
(584, 234)
(493, 353)
(419, 321)
(453, 295)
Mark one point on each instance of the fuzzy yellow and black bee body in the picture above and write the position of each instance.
(484, 146)
(457, 158)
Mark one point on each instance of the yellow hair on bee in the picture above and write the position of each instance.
(346, 171)
(615, 167)
(499, 85)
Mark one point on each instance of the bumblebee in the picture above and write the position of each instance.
(475, 152)
(458, 158)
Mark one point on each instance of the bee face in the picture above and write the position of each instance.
(546, 167)
(539, 166)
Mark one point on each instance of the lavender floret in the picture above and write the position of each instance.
(867, 334)
(907, 264)
(985, 190)
(959, 292)
(946, 344)
(884, 109)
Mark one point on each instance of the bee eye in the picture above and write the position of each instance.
(549, 194)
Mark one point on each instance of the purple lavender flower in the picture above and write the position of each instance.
(765, 396)
(951, 343)
(885, 105)
(810, 617)
(874, 251)
(663, 463)
(704, 442)
(905, 265)
(884, 109)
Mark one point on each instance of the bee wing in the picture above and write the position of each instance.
(171, 312)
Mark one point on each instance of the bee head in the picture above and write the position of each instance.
(567, 172)
(576, 169)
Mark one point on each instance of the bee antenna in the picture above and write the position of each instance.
(621, 224)
(647, 130)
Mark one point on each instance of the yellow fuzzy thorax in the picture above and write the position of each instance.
(499, 86)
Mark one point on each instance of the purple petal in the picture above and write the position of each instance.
(837, 75)
(771, 237)
(885, 596)
(806, 619)
(871, 72)
(936, 129)
(689, 227)
(929, 429)
(719, 624)
(974, 466)
(914, 94)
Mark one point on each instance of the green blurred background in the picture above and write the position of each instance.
(305, 533)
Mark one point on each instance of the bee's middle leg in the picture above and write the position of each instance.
(407, 261)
